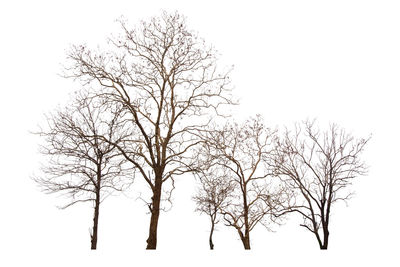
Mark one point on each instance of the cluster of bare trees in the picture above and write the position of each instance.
(236, 181)
(254, 175)
(146, 111)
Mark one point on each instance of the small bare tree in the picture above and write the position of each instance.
(81, 164)
(317, 168)
(212, 196)
(166, 79)
(238, 153)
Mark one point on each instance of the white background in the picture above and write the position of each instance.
(338, 61)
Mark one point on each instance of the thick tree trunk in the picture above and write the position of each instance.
(95, 222)
(246, 242)
(155, 212)
(211, 234)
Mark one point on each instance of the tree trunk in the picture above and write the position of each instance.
(318, 238)
(211, 234)
(246, 242)
(245, 239)
(155, 212)
(326, 238)
(95, 222)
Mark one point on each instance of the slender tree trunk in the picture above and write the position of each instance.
(326, 237)
(318, 238)
(95, 222)
(326, 224)
(211, 234)
(155, 212)
(245, 239)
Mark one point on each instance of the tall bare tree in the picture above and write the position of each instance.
(212, 196)
(239, 154)
(80, 163)
(318, 168)
(167, 80)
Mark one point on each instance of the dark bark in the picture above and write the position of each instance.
(245, 239)
(95, 222)
(323, 243)
(211, 234)
(325, 219)
(246, 242)
(97, 202)
(326, 237)
(318, 239)
(155, 212)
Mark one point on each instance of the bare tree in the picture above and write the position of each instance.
(212, 196)
(317, 168)
(238, 153)
(80, 164)
(166, 79)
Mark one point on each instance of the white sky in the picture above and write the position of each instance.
(338, 61)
